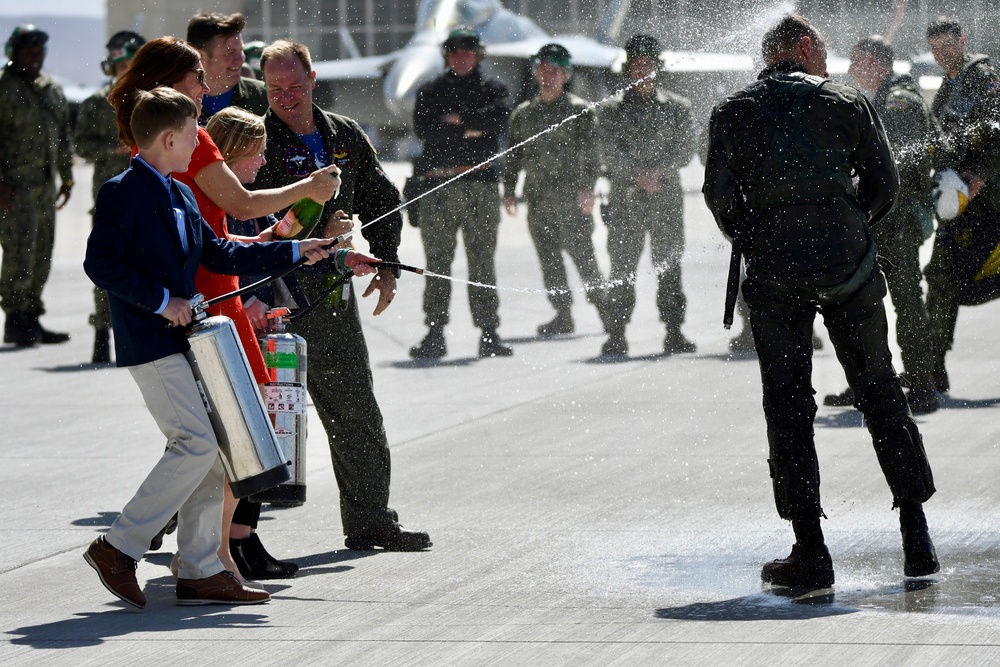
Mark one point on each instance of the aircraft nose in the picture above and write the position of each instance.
(408, 73)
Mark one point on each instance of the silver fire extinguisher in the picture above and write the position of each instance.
(285, 400)
(251, 454)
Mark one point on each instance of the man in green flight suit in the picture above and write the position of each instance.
(97, 140)
(560, 168)
(646, 136)
(34, 144)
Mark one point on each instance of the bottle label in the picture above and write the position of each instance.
(288, 226)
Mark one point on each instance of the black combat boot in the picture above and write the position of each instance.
(616, 345)
(256, 563)
(940, 375)
(922, 397)
(919, 557)
(43, 335)
(842, 400)
(490, 345)
(17, 329)
(561, 324)
(432, 346)
(102, 347)
(676, 342)
(808, 566)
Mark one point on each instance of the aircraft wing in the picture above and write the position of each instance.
(368, 67)
(586, 52)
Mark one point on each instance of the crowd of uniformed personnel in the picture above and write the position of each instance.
(639, 141)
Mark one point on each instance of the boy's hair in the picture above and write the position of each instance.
(237, 132)
(877, 48)
(206, 26)
(160, 62)
(158, 110)
(284, 48)
(944, 25)
(785, 36)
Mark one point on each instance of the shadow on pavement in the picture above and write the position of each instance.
(75, 368)
(948, 403)
(845, 418)
(431, 363)
(103, 519)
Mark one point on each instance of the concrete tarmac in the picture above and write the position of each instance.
(582, 512)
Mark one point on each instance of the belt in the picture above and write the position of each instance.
(446, 172)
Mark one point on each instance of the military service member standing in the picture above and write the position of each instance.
(911, 130)
(967, 106)
(34, 145)
(219, 40)
(97, 140)
(646, 136)
(301, 137)
(781, 156)
(460, 116)
(560, 170)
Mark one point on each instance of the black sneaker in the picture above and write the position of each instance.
(432, 346)
(395, 538)
(844, 399)
(809, 567)
(490, 345)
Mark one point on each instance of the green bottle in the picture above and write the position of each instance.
(303, 215)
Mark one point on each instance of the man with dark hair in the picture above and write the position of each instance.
(782, 155)
(560, 169)
(912, 131)
(967, 106)
(646, 135)
(460, 116)
(300, 137)
(97, 140)
(34, 145)
(219, 40)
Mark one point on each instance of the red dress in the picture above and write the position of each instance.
(215, 284)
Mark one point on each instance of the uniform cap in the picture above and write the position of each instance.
(642, 45)
(123, 46)
(462, 37)
(555, 54)
(26, 34)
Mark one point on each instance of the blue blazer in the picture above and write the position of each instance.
(134, 252)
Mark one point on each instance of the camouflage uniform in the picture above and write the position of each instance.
(910, 128)
(558, 166)
(34, 144)
(638, 133)
(968, 110)
(97, 140)
(340, 377)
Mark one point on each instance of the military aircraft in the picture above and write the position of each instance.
(380, 90)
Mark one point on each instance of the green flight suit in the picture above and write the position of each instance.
(640, 134)
(558, 166)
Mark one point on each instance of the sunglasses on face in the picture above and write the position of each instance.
(201, 75)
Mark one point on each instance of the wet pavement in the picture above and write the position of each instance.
(581, 510)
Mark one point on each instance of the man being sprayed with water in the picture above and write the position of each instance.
(646, 136)
(460, 116)
(781, 156)
(560, 168)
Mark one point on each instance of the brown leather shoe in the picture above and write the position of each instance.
(221, 588)
(116, 570)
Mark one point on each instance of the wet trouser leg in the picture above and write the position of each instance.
(783, 337)
(942, 306)
(666, 241)
(859, 332)
(625, 244)
(480, 227)
(439, 224)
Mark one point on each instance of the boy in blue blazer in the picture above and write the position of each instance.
(147, 242)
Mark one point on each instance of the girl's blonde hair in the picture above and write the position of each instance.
(237, 132)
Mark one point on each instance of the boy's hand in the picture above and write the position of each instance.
(178, 311)
(314, 250)
(323, 184)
